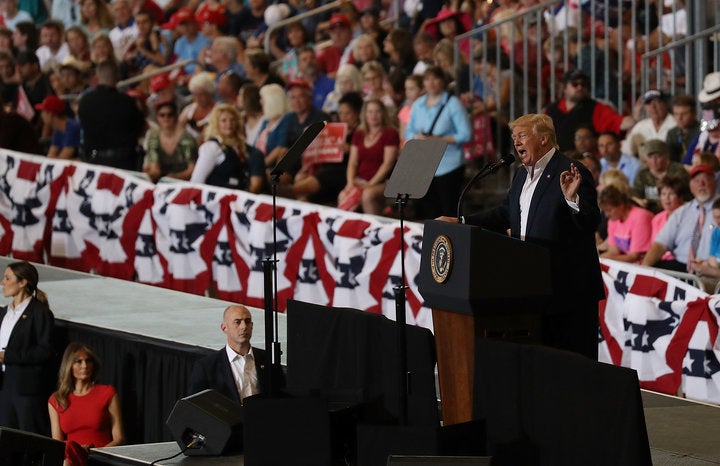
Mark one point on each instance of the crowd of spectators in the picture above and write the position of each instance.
(232, 110)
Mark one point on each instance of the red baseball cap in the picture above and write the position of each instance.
(299, 83)
(212, 16)
(159, 82)
(183, 15)
(52, 104)
(339, 19)
(702, 168)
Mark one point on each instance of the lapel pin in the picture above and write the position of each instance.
(24, 316)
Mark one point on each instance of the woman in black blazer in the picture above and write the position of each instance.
(26, 351)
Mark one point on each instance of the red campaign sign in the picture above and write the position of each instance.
(327, 146)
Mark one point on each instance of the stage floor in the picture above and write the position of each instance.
(142, 309)
(681, 432)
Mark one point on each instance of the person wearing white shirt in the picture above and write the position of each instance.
(11, 15)
(656, 126)
(552, 202)
(237, 370)
(54, 49)
(125, 32)
(26, 351)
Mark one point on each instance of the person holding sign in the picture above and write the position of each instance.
(325, 160)
(373, 153)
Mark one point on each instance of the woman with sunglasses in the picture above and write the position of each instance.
(171, 150)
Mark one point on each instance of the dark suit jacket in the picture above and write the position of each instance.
(29, 353)
(569, 236)
(213, 371)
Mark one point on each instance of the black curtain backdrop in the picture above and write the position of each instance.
(544, 406)
(149, 374)
(341, 349)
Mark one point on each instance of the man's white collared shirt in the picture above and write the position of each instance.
(528, 189)
(244, 373)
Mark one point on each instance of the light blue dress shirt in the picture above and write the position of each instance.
(453, 121)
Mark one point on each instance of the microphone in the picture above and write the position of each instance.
(488, 169)
(505, 160)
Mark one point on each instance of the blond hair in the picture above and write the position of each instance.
(202, 81)
(274, 101)
(213, 131)
(616, 178)
(540, 124)
(352, 73)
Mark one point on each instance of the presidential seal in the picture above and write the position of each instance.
(441, 259)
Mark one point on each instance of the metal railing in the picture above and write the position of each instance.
(618, 57)
(308, 14)
(686, 46)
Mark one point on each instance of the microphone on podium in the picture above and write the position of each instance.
(488, 169)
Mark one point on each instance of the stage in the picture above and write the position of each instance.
(148, 338)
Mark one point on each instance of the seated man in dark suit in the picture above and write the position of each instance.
(237, 370)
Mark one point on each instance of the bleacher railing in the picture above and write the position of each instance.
(618, 56)
(654, 76)
(308, 14)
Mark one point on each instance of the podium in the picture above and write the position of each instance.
(479, 284)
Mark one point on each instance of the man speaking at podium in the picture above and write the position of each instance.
(552, 202)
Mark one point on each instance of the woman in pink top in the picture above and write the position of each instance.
(629, 226)
(674, 192)
(413, 89)
(373, 152)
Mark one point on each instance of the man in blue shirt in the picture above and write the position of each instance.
(191, 42)
(65, 139)
(613, 157)
(308, 70)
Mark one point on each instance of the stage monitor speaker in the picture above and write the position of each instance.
(394, 460)
(287, 431)
(209, 421)
(20, 448)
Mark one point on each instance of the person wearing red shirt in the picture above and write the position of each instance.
(577, 109)
(334, 55)
(83, 413)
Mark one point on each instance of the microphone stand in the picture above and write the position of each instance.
(273, 350)
(410, 179)
(484, 172)
(400, 300)
(272, 344)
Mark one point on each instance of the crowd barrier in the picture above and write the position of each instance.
(208, 240)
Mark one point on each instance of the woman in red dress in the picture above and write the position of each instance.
(83, 413)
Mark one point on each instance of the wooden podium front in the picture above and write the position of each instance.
(479, 284)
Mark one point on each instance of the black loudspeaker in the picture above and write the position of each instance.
(20, 448)
(287, 431)
(439, 460)
(209, 421)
